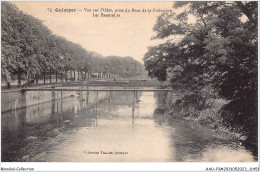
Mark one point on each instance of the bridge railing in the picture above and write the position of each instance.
(85, 89)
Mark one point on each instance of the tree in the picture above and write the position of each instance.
(219, 51)
(29, 48)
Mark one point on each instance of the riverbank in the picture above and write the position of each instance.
(207, 114)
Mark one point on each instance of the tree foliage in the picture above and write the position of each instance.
(218, 51)
(30, 48)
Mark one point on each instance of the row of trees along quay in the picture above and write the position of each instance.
(32, 53)
(211, 62)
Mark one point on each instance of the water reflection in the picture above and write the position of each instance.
(73, 124)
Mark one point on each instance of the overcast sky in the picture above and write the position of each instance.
(128, 35)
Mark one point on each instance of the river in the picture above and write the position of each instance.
(78, 128)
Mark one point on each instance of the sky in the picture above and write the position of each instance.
(127, 35)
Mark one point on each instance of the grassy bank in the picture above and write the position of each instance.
(205, 110)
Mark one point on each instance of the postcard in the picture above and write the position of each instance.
(171, 85)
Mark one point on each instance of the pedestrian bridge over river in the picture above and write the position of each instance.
(86, 89)
(24, 97)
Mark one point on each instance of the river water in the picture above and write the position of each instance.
(78, 128)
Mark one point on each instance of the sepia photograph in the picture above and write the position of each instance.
(129, 81)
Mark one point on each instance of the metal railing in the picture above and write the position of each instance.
(86, 89)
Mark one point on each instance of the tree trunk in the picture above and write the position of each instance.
(36, 77)
(61, 76)
(8, 85)
(50, 75)
(56, 73)
(19, 77)
(44, 76)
